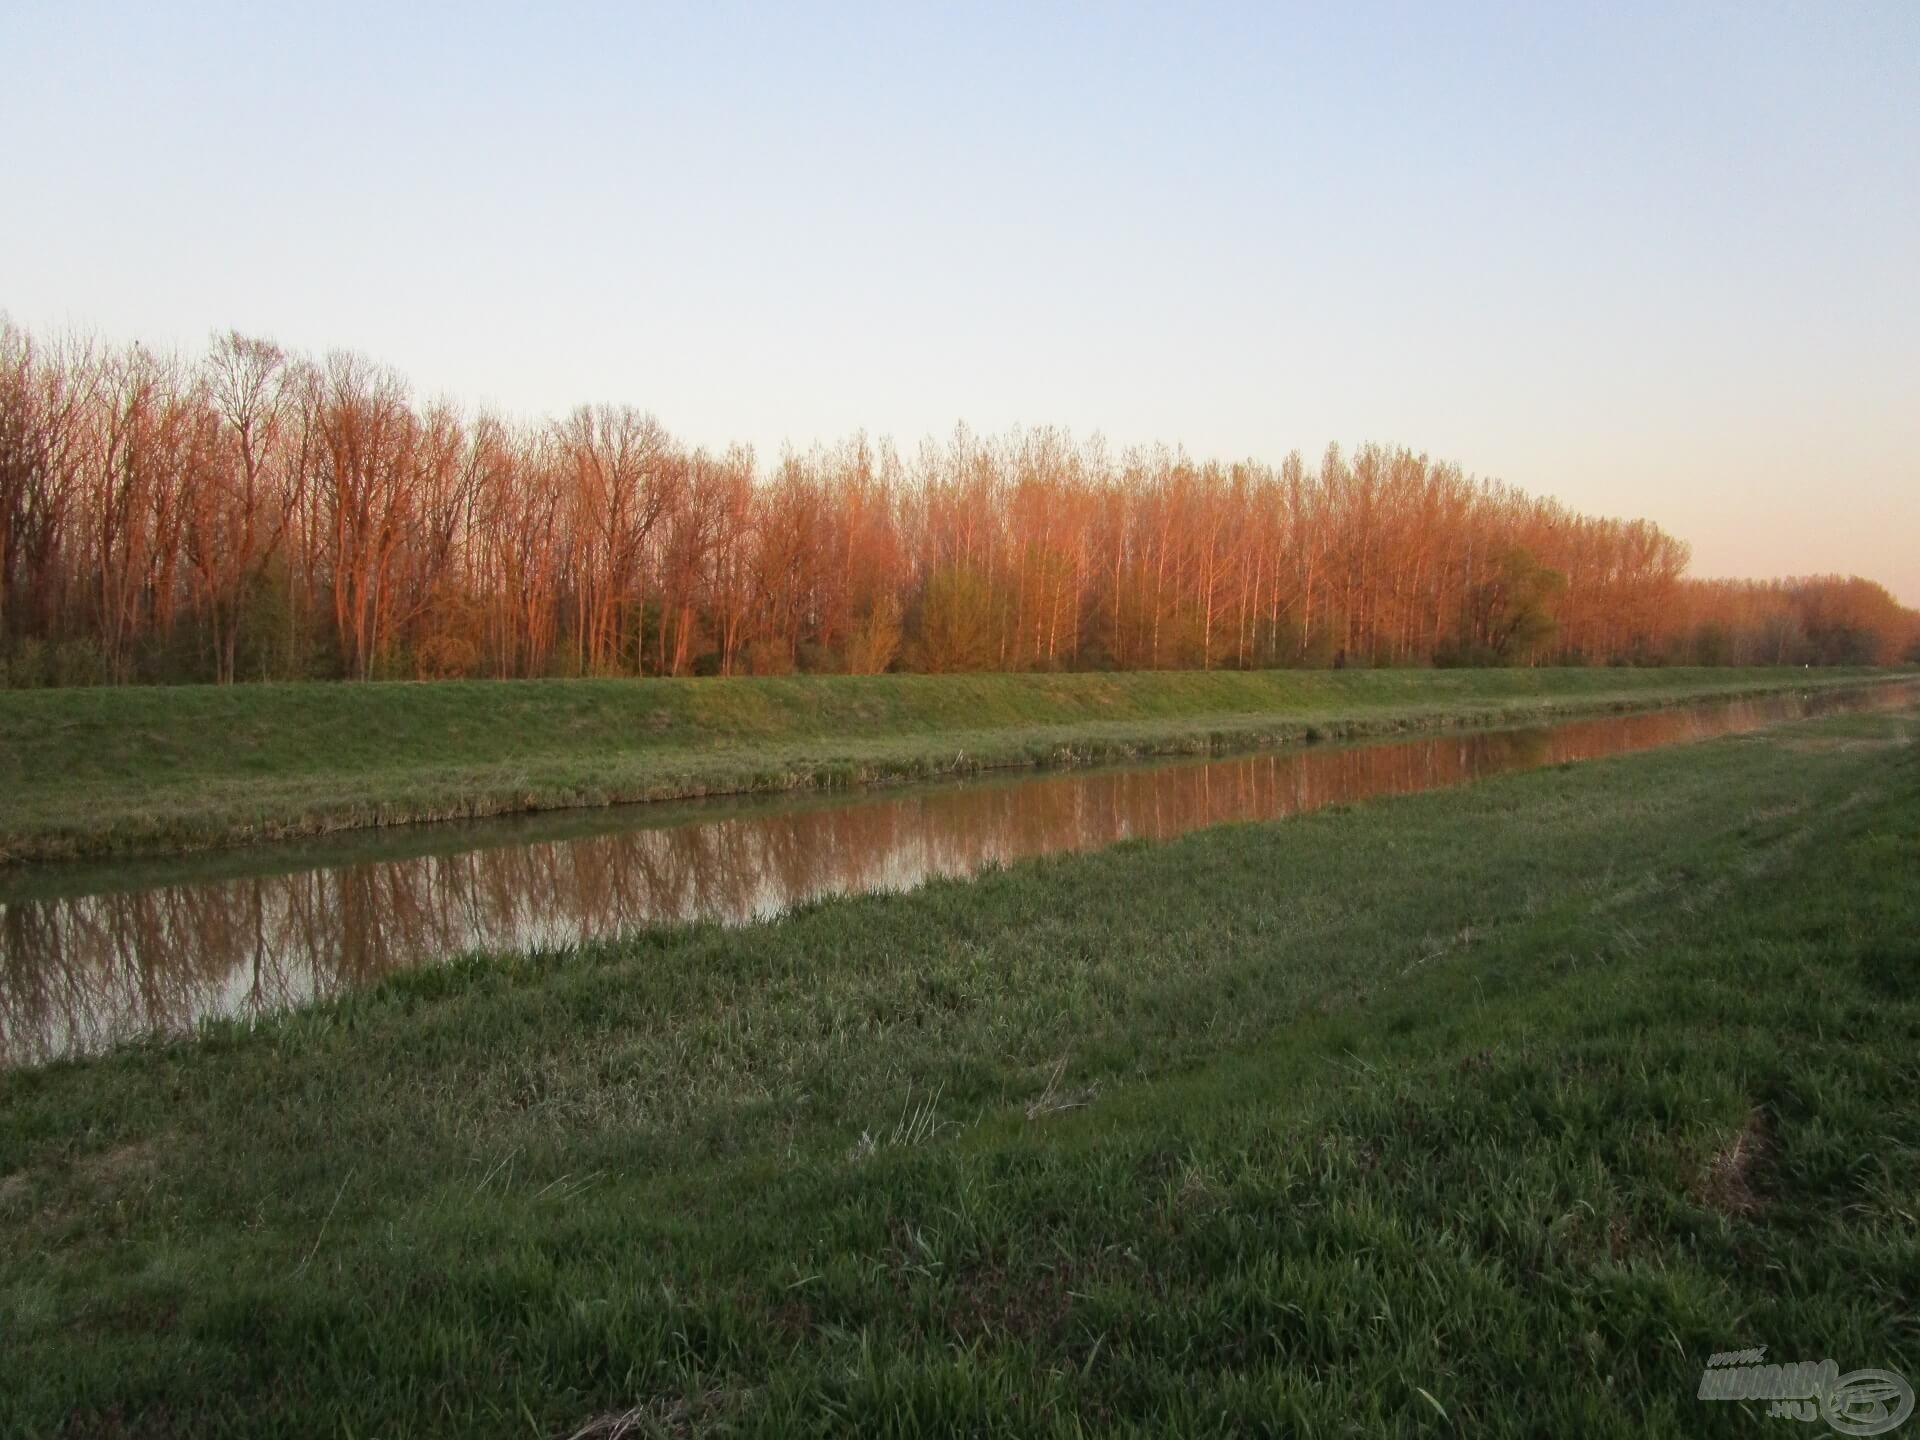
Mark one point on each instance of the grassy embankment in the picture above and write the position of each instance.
(1491, 1111)
(157, 770)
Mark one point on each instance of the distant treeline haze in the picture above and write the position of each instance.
(258, 514)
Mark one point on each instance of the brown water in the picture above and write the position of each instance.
(124, 952)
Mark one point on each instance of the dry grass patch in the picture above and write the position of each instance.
(663, 1416)
(1726, 1182)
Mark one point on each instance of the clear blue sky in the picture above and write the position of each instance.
(1657, 259)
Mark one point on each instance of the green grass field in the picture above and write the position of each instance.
(1489, 1111)
(157, 770)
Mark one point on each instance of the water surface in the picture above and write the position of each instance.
(94, 955)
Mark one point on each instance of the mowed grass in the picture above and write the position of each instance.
(155, 770)
(1491, 1111)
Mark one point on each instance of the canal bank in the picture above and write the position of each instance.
(159, 770)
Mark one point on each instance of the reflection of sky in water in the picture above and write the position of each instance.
(81, 973)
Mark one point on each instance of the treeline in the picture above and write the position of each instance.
(254, 514)
(1813, 620)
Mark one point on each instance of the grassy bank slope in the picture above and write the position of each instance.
(153, 770)
(1491, 1111)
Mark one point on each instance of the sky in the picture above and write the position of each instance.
(1655, 260)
